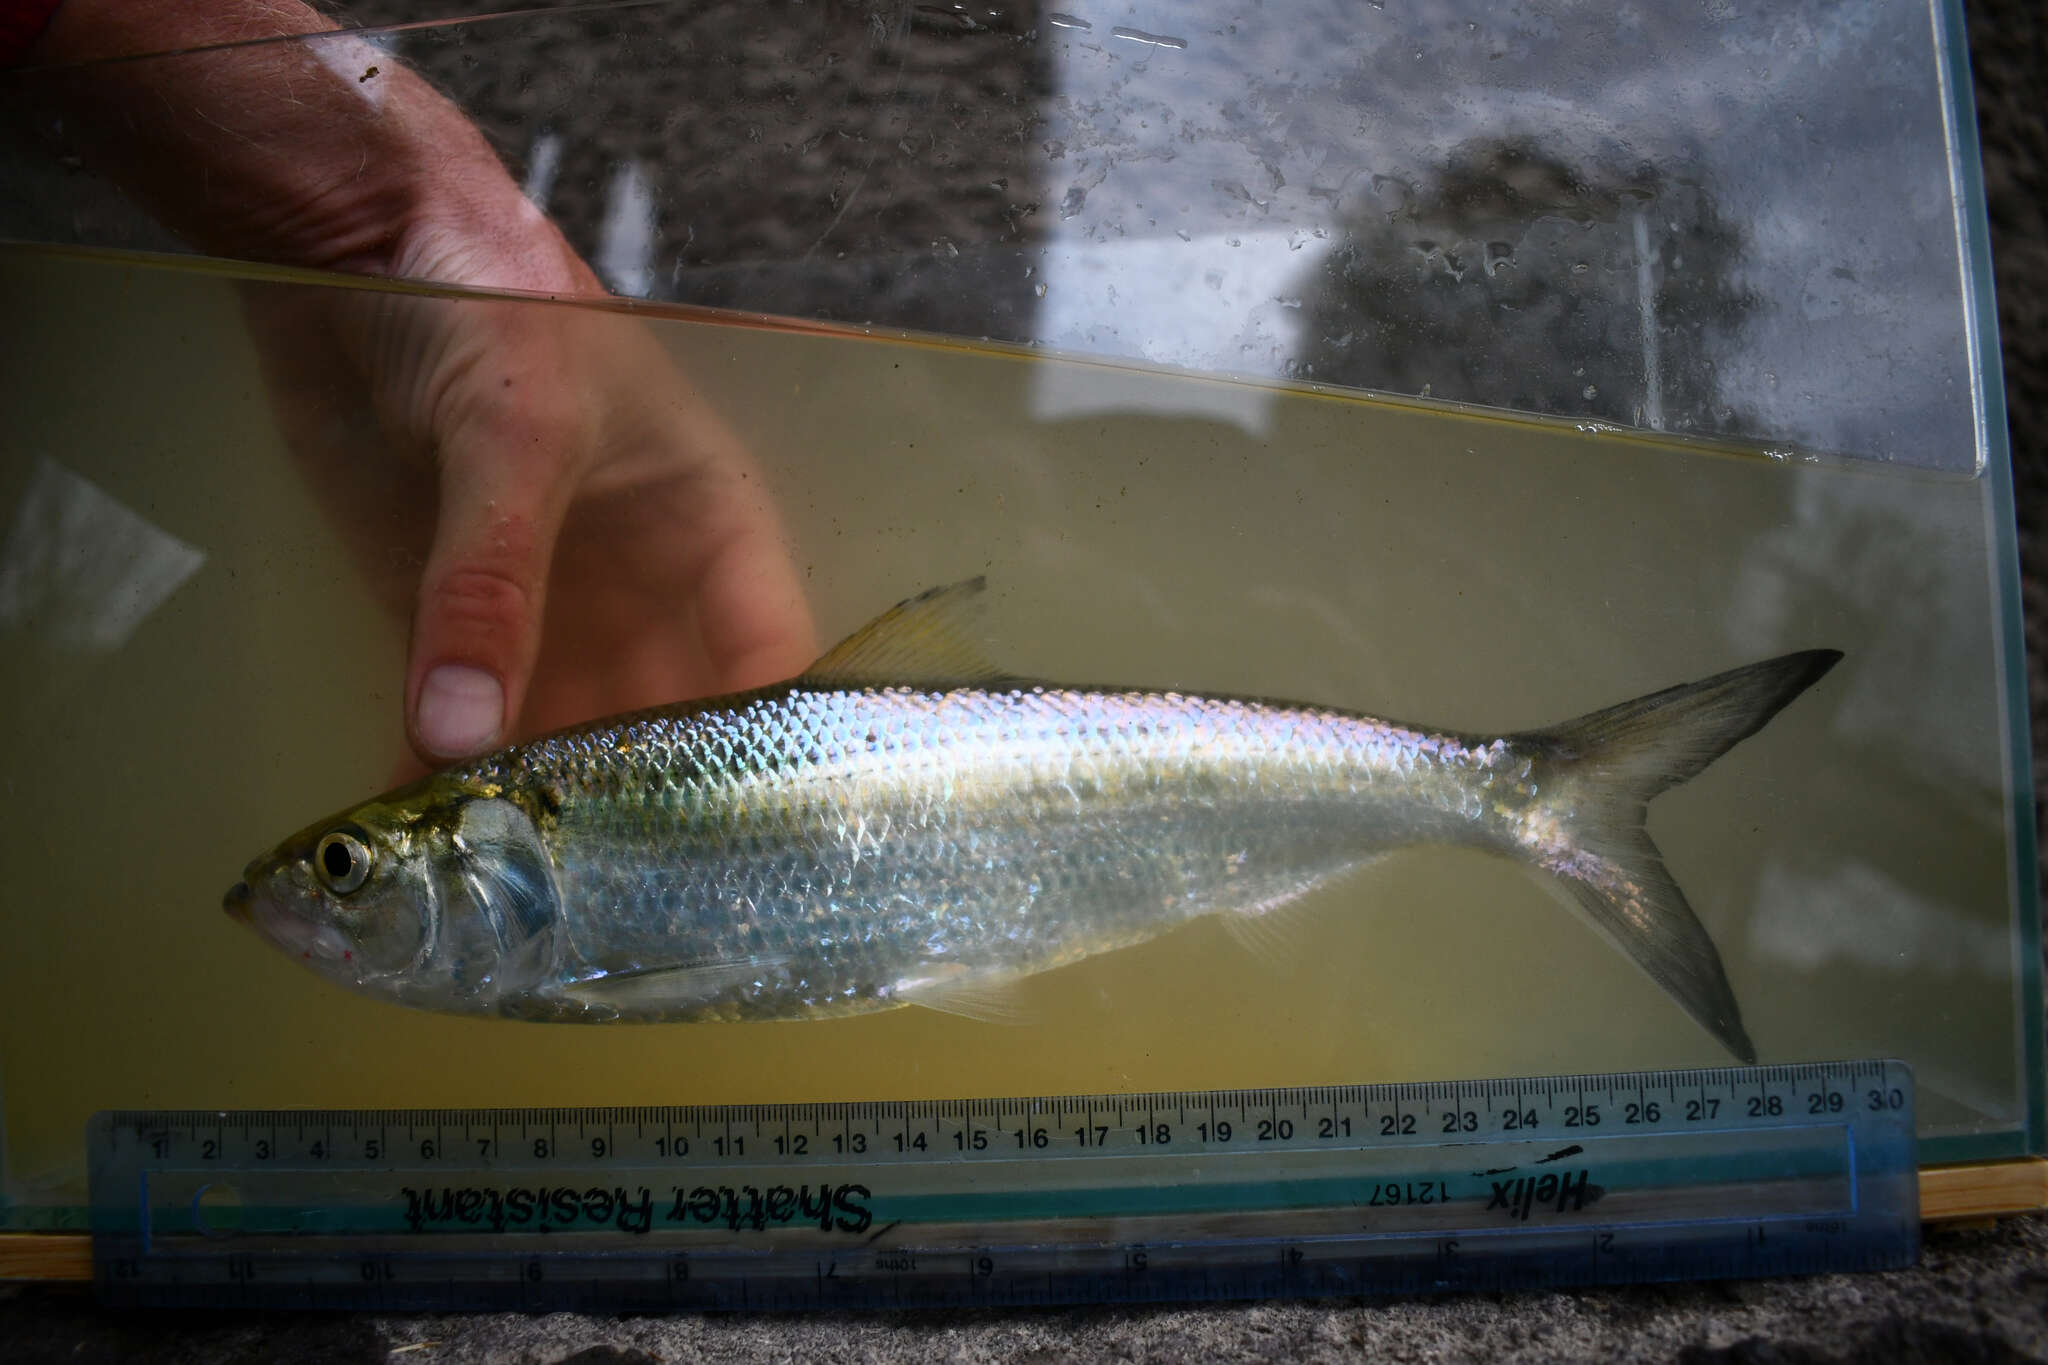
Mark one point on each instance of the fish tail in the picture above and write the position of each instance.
(1598, 773)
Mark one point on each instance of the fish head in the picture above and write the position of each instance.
(438, 896)
(349, 896)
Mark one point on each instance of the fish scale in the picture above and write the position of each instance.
(1024, 828)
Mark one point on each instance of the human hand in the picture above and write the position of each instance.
(566, 523)
(570, 528)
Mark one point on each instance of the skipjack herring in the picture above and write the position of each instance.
(905, 824)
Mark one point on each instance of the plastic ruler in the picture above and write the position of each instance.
(1502, 1184)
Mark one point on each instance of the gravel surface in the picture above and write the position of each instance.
(1977, 1296)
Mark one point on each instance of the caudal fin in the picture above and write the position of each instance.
(1598, 774)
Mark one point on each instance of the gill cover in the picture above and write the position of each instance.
(495, 899)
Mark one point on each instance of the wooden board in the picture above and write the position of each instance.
(1985, 1189)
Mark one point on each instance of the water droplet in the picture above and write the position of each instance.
(1038, 290)
(1138, 35)
(1182, 233)
(1392, 187)
(1059, 20)
(1236, 190)
(1071, 205)
(1287, 300)
(1499, 254)
(1590, 391)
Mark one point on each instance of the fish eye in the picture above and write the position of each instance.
(343, 861)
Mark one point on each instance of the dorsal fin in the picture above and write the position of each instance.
(930, 640)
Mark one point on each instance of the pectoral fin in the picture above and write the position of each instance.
(671, 990)
(502, 868)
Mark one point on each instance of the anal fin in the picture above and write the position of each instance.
(1276, 935)
(1277, 927)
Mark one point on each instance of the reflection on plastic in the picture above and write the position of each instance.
(1874, 557)
(80, 570)
(541, 165)
(1691, 219)
(1143, 296)
(625, 252)
(355, 61)
(1857, 915)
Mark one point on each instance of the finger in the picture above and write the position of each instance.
(751, 612)
(482, 597)
(753, 621)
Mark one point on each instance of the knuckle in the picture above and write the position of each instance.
(482, 601)
(527, 421)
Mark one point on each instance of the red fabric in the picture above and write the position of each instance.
(21, 23)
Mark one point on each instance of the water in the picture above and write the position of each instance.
(1851, 861)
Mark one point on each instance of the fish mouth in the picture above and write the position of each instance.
(292, 933)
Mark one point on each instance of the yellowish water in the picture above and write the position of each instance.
(1851, 861)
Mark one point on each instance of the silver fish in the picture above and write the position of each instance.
(905, 824)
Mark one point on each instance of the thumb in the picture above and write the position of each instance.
(476, 628)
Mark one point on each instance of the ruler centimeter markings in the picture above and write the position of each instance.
(1418, 1187)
